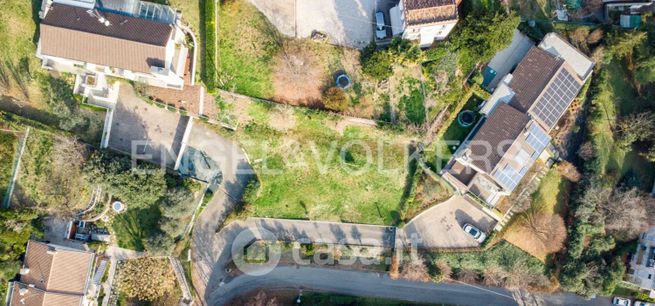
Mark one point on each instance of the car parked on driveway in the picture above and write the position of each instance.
(642, 303)
(474, 232)
(380, 27)
(617, 300)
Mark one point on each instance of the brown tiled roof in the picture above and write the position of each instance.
(531, 77)
(128, 43)
(56, 269)
(496, 135)
(429, 11)
(38, 297)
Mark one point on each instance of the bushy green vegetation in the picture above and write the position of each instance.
(501, 265)
(247, 45)
(8, 146)
(209, 63)
(593, 264)
(159, 204)
(312, 171)
(378, 63)
(413, 107)
(16, 227)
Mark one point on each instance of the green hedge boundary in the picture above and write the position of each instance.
(209, 40)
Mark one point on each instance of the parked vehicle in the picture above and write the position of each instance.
(642, 303)
(617, 300)
(380, 28)
(476, 233)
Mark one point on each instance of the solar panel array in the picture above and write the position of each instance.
(552, 105)
(537, 138)
(509, 177)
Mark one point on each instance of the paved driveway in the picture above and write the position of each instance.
(440, 226)
(347, 22)
(150, 132)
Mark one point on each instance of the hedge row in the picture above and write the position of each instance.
(209, 64)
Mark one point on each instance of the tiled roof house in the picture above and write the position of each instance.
(518, 118)
(424, 20)
(52, 275)
(113, 37)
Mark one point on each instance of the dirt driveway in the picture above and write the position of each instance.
(151, 133)
(441, 225)
(346, 22)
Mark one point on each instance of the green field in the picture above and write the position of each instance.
(132, 227)
(8, 146)
(246, 46)
(309, 170)
(616, 98)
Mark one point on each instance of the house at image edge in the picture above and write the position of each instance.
(424, 20)
(52, 275)
(130, 39)
(517, 119)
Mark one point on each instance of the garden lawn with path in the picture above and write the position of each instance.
(311, 165)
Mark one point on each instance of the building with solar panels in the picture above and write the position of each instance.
(517, 120)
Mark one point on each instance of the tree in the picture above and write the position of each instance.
(140, 186)
(636, 127)
(569, 171)
(625, 212)
(262, 299)
(621, 45)
(543, 233)
(586, 151)
(335, 99)
(159, 243)
(415, 270)
(146, 279)
(480, 36)
(377, 63)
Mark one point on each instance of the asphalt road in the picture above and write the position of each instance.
(207, 245)
(380, 285)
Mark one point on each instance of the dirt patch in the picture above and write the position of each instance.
(299, 74)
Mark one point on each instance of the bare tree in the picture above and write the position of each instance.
(415, 270)
(625, 211)
(586, 151)
(494, 276)
(595, 36)
(569, 171)
(636, 127)
(262, 299)
(467, 275)
(543, 233)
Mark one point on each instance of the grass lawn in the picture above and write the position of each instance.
(133, 226)
(246, 46)
(314, 165)
(617, 98)
(8, 147)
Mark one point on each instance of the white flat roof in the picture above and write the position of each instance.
(557, 46)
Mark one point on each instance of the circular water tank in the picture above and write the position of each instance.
(343, 81)
(118, 206)
(466, 118)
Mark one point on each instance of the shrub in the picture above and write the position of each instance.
(377, 64)
(335, 99)
(146, 279)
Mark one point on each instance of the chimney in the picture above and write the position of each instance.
(22, 291)
(24, 271)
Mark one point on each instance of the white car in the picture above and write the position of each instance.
(617, 300)
(477, 234)
(641, 303)
(380, 28)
